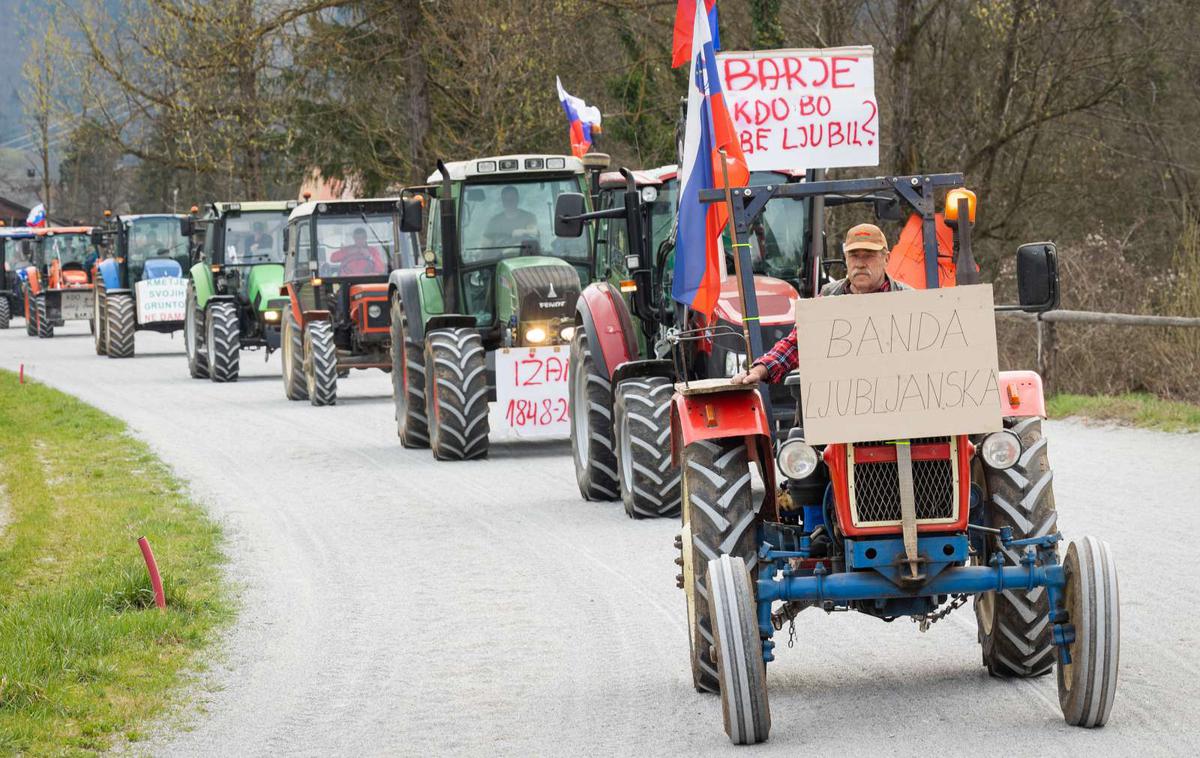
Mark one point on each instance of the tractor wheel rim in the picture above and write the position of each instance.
(579, 416)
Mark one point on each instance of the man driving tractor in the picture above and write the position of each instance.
(866, 252)
(359, 258)
(511, 223)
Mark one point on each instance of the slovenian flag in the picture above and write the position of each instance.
(685, 13)
(37, 216)
(581, 116)
(709, 128)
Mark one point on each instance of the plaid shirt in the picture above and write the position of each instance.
(782, 359)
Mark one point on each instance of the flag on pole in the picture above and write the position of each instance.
(709, 128)
(37, 216)
(685, 14)
(582, 119)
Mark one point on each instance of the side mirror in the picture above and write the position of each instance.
(1037, 277)
(186, 227)
(567, 208)
(888, 209)
(97, 239)
(285, 238)
(411, 209)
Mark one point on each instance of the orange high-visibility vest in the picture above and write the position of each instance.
(907, 261)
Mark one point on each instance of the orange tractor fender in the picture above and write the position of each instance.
(1021, 394)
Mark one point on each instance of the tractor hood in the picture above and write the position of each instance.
(535, 288)
(776, 301)
(262, 284)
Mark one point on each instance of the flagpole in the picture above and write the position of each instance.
(747, 316)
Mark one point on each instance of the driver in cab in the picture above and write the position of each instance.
(149, 246)
(512, 223)
(358, 258)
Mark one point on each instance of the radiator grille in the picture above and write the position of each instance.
(875, 491)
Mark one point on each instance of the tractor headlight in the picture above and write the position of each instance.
(567, 333)
(1001, 450)
(535, 334)
(374, 310)
(734, 362)
(271, 316)
(797, 459)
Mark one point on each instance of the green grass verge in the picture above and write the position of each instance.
(1136, 409)
(85, 657)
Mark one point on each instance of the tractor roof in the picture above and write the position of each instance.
(16, 232)
(510, 165)
(139, 216)
(51, 230)
(335, 207)
(252, 205)
(658, 176)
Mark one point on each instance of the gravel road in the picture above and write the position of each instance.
(397, 606)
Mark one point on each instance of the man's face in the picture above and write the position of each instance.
(866, 268)
(360, 237)
(509, 198)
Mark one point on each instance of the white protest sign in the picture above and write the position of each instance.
(898, 365)
(801, 109)
(531, 393)
(161, 299)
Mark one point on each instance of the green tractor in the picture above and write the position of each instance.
(480, 334)
(233, 300)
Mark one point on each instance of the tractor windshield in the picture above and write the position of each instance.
(157, 238)
(355, 245)
(777, 236)
(255, 237)
(515, 218)
(67, 248)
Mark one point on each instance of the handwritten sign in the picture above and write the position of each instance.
(531, 393)
(800, 109)
(161, 299)
(76, 306)
(898, 365)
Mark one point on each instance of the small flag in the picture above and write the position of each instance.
(685, 13)
(582, 119)
(37, 216)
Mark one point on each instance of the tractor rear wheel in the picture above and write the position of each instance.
(408, 383)
(45, 329)
(320, 363)
(649, 479)
(1087, 685)
(30, 315)
(99, 320)
(719, 517)
(193, 336)
(742, 671)
(589, 401)
(5, 311)
(223, 341)
(1013, 625)
(456, 398)
(295, 387)
(119, 315)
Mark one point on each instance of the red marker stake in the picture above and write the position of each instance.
(22, 374)
(155, 580)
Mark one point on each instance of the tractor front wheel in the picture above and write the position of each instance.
(120, 326)
(320, 363)
(719, 517)
(740, 665)
(456, 398)
(222, 339)
(1013, 628)
(408, 383)
(5, 311)
(193, 339)
(295, 387)
(589, 401)
(648, 477)
(99, 321)
(45, 329)
(1087, 685)
(30, 315)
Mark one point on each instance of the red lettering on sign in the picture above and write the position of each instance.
(841, 72)
(738, 75)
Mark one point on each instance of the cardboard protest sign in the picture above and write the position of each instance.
(531, 393)
(161, 299)
(801, 109)
(898, 365)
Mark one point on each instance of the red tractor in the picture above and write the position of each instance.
(58, 284)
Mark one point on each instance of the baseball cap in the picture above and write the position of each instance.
(864, 237)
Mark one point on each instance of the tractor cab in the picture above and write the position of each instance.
(147, 246)
(16, 248)
(65, 256)
(491, 232)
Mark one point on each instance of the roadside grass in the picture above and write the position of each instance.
(1136, 409)
(85, 658)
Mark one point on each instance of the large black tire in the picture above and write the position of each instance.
(1091, 597)
(5, 311)
(223, 341)
(456, 400)
(742, 671)
(719, 518)
(30, 315)
(1013, 626)
(291, 340)
(119, 317)
(589, 400)
(193, 336)
(45, 329)
(408, 383)
(100, 320)
(320, 363)
(648, 478)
